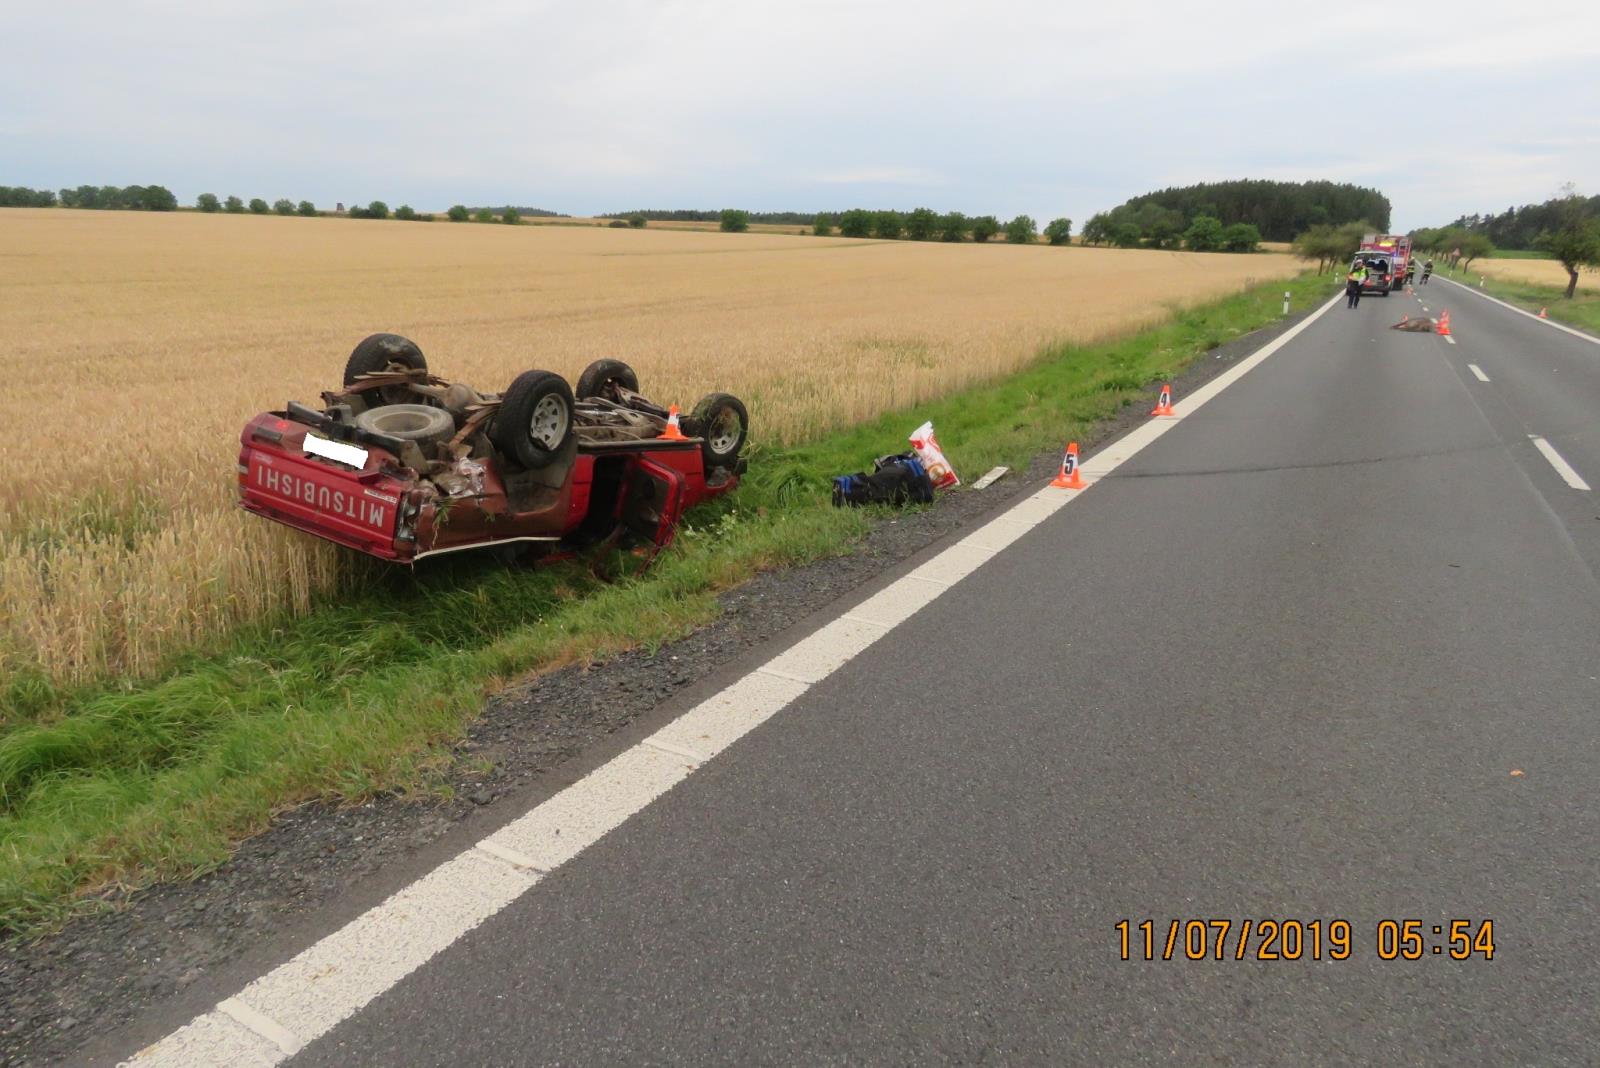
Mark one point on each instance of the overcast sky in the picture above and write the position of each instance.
(606, 105)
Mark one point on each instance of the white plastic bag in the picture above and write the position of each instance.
(940, 473)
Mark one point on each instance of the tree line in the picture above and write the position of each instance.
(919, 224)
(781, 218)
(101, 197)
(1520, 228)
(1156, 227)
(1278, 210)
(1332, 247)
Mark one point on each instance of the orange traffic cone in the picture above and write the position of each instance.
(1069, 477)
(1164, 404)
(1444, 324)
(1542, 314)
(674, 432)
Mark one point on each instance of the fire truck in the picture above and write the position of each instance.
(1385, 257)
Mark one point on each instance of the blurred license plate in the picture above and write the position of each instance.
(339, 451)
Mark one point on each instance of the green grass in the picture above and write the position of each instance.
(116, 787)
(1582, 311)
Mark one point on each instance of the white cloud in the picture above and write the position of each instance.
(1020, 105)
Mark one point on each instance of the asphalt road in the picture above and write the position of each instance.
(1326, 651)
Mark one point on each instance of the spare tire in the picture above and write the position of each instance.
(534, 422)
(721, 421)
(598, 378)
(385, 352)
(420, 423)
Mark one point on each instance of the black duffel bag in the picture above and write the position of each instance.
(894, 480)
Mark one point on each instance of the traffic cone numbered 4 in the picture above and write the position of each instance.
(1164, 403)
(1542, 313)
(1069, 478)
(674, 431)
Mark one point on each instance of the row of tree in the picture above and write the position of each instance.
(1278, 210)
(1521, 228)
(1151, 226)
(781, 218)
(1332, 247)
(102, 197)
(920, 224)
(209, 203)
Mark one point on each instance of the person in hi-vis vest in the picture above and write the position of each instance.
(1353, 283)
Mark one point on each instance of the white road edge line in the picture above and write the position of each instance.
(1475, 369)
(1528, 314)
(1557, 461)
(299, 1001)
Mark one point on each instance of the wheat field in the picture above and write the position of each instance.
(1538, 272)
(134, 346)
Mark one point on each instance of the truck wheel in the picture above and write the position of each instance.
(721, 420)
(385, 352)
(535, 418)
(409, 422)
(599, 377)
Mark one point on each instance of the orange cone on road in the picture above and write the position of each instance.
(1542, 314)
(1164, 403)
(1069, 478)
(674, 431)
(1444, 324)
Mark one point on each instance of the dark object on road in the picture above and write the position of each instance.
(401, 464)
(896, 480)
(1415, 326)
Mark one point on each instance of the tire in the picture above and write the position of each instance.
(534, 422)
(721, 421)
(420, 423)
(381, 351)
(599, 376)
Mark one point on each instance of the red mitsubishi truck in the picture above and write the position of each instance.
(402, 465)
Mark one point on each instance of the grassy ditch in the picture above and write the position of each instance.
(1582, 311)
(115, 787)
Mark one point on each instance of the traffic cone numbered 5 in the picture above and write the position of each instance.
(1069, 478)
(674, 431)
(1444, 324)
(1164, 403)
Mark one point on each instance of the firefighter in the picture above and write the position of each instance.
(1353, 283)
(1411, 271)
(1427, 269)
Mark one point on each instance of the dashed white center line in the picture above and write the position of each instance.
(1564, 469)
(1475, 369)
(1450, 339)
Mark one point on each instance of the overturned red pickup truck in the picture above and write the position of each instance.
(402, 465)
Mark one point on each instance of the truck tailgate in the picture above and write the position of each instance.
(355, 507)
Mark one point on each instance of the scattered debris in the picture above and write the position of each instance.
(990, 477)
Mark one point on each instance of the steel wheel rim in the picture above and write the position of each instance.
(548, 424)
(725, 432)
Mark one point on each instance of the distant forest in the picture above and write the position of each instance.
(1519, 228)
(1279, 210)
(790, 218)
(524, 212)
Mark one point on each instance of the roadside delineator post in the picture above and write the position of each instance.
(1444, 323)
(1069, 478)
(1164, 403)
(674, 431)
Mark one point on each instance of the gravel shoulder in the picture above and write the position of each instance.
(108, 982)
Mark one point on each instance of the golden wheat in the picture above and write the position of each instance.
(1538, 272)
(135, 346)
